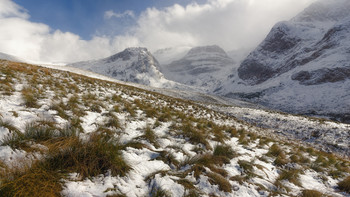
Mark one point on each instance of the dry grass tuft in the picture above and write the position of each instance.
(311, 193)
(345, 185)
(219, 180)
(35, 181)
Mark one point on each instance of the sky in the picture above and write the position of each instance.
(76, 30)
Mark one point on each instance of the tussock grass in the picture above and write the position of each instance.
(311, 193)
(159, 192)
(168, 158)
(29, 97)
(224, 151)
(290, 175)
(35, 181)
(61, 108)
(8, 125)
(150, 136)
(344, 185)
(91, 158)
(275, 150)
(135, 144)
(247, 168)
(216, 179)
(195, 136)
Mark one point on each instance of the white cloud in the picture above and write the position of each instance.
(36, 41)
(10, 9)
(110, 14)
(232, 24)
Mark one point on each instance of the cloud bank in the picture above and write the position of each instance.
(232, 24)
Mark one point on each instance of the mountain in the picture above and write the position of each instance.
(66, 134)
(167, 55)
(5, 56)
(201, 67)
(135, 65)
(303, 65)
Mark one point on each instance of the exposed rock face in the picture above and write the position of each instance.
(133, 65)
(201, 67)
(303, 65)
(321, 76)
(306, 38)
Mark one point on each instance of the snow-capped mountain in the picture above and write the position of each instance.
(132, 65)
(167, 55)
(201, 67)
(63, 134)
(303, 65)
(8, 57)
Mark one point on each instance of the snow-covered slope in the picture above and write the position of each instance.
(167, 55)
(63, 134)
(5, 56)
(303, 65)
(132, 65)
(201, 67)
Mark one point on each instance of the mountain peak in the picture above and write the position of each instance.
(127, 54)
(325, 10)
(206, 49)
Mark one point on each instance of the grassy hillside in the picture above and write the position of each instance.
(70, 135)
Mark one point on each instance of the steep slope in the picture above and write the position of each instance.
(201, 67)
(303, 65)
(63, 134)
(5, 56)
(132, 65)
(167, 55)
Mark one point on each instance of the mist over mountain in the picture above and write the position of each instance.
(201, 67)
(303, 64)
(135, 65)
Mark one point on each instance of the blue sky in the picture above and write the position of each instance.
(86, 17)
(77, 30)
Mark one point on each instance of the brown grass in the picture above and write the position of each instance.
(219, 180)
(35, 181)
(344, 185)
(311, 193)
